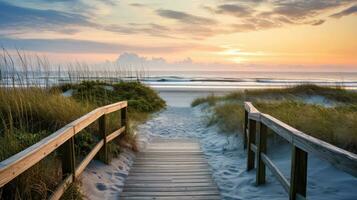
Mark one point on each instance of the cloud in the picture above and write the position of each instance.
(348, 11)
(301, 9)
(151, 29)
(137, 5)
(249, 18)
(16, 19)
(278, 13)
(85, 46)
(184, 17)
(13, 17)
(317, 22)
(72, 16)
(134, 60)
(109, 2)
(234, 9)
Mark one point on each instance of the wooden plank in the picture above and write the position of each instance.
(248, 106)
(68, 158)
(168, 178)
(115, 107)
(88, 158)
(86, 120)
(163, 188)
(176, 194)
(156, 155)
(253, 113)
(162, 162)
(261, 148)
(251, 140)
(168, 170)
(298, 178)
(18, 163)
(124, 117)
(169, 164)
(280, 177)
(115, 134)
(170, 173)
(103, 153)
(179, 159)
(160, 185)
(211, 197)
(172, 181)
(245, 129)
(189, 167)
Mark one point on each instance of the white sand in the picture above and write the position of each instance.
(101, 181)
(225, 155)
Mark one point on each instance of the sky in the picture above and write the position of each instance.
(246, 35)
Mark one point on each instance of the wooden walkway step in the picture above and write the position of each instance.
(170, 169)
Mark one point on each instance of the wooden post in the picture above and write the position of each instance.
(251, 140)
(103, 153)
(298, 179)
(245, 129)
(124, 118)
(261, 148)
(68, 159)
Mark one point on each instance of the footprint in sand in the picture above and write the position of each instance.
(101, 186)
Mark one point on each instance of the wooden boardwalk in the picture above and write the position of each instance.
(170, 169)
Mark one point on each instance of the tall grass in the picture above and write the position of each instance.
(27, 115)
(32, 106)
(19, 68)
(338, 94)
(336, 125)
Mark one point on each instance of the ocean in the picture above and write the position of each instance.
(230, 80)
(187, 80)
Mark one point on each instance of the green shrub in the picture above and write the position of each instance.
(140, 97)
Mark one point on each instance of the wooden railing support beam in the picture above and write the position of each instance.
(251, 140)
(245, 129)
(68, 159)
(124, 118)
(298, 179)
(261, 148)
(103, 153)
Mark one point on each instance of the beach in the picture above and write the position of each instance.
(227, 159)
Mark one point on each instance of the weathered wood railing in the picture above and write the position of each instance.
(256, 125)
(64, 138)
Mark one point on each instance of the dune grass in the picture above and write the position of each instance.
(337, 94)
(29, 114)
(336, 125)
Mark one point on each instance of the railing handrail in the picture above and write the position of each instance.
(303, 143)
(18, 163)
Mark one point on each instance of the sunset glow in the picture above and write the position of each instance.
(317, 35)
